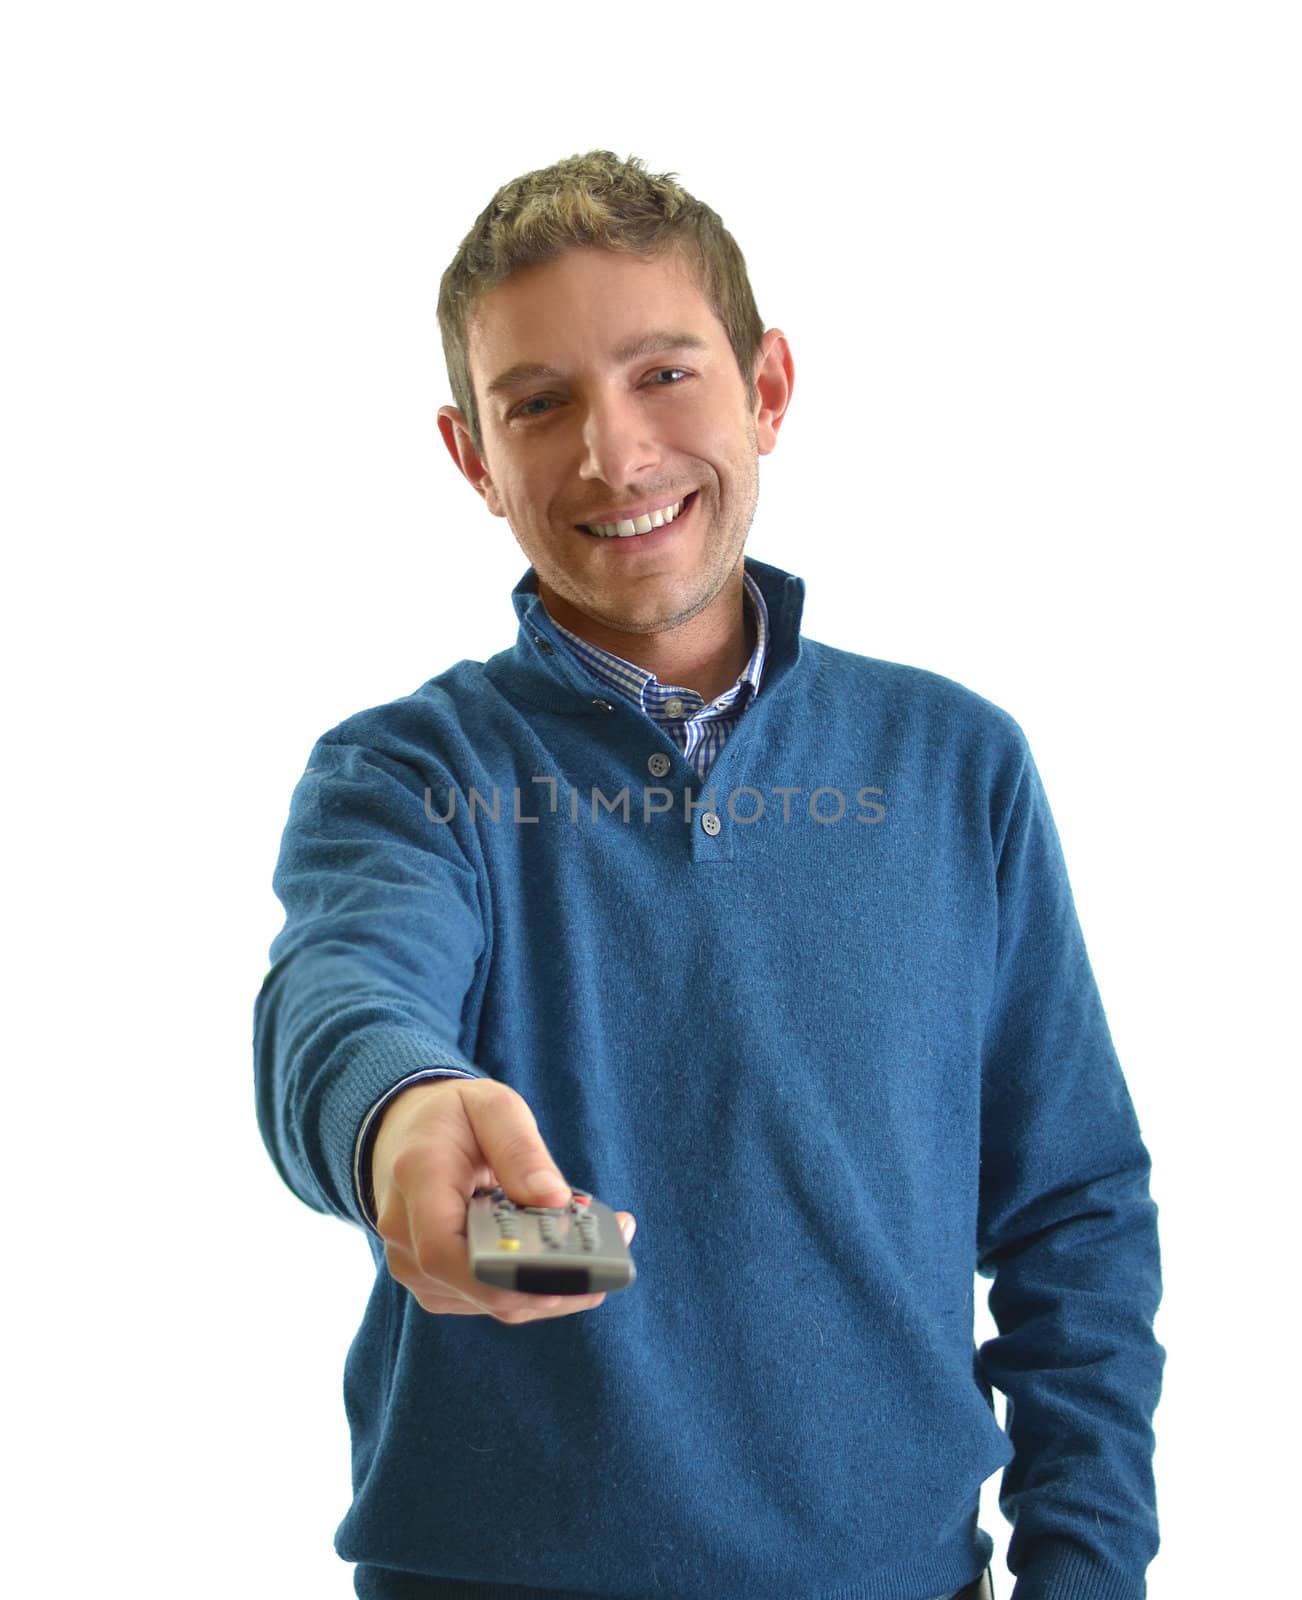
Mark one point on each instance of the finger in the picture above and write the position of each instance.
(507, 1133)
(513, 1309)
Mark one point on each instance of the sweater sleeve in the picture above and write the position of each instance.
(1068, 1233)
(383, 938)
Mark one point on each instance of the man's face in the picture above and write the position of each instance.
(610, 433)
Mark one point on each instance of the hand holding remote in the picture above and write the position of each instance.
(439, 1141)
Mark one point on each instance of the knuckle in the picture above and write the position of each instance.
(392, 1225)
(495, 1089)
(409, 1281)
(492, 1092)
(510, 1104)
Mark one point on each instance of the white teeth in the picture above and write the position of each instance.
(627, 530)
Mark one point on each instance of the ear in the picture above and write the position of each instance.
(775, 378)
(456, 435)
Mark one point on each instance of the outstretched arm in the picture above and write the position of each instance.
(384, 937)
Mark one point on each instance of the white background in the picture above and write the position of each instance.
(1038, 266)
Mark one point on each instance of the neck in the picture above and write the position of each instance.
(706, 654)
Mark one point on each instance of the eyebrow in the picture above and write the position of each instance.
(646, 344)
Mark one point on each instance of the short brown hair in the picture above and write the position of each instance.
(597, 200)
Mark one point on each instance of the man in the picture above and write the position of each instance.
(771, 941)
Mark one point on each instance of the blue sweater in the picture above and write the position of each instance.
(825, 1022)
(699, 731)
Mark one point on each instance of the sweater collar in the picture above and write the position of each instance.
(541, 670)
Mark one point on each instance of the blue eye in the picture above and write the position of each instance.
(542, 399)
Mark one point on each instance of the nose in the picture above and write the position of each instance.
(617, 445)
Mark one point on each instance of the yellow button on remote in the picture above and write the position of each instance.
(508, 1244)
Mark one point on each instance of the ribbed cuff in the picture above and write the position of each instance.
(1066, 1572)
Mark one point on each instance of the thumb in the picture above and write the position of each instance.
(543, 1186)
(508, 1136)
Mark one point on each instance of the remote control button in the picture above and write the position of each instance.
(508, 1244)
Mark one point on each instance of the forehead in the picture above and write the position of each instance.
(586, 307)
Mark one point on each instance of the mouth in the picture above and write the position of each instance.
(653, 536)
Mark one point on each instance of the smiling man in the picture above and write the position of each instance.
(647, 413)
(772, 941)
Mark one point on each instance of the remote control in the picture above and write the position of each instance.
(573, 1249)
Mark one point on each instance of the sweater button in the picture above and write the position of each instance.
(603, 705)
(544, 645)
(658, 764)
(711, 823)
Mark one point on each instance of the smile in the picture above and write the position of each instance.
(637, 526)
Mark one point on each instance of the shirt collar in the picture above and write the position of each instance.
(540, 670)
(637, 684)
